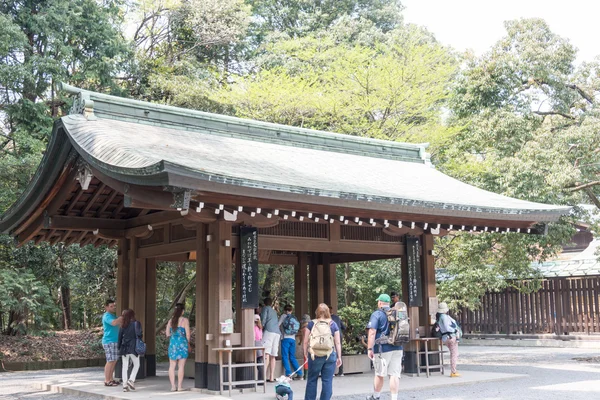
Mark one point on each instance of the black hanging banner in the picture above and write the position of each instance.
(249, 262)
(413, 260)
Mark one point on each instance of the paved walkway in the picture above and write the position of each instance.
(498, 373)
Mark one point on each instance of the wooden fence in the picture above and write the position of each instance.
(562, 306)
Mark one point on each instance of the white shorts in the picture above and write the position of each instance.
(270, 342)
(388, 363)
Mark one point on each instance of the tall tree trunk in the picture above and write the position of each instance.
(178, 299)
(16, 323)
(268, 285)
(349, 292)
(65, 302)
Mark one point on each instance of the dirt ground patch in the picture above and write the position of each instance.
(59, 345)
(64, 345)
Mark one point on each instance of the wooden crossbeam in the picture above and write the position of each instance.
(74, 201)
(93, 199)
(106, 203)
(82, 223)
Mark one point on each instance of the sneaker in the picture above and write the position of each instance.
(371, 397)
(454, 375)
(279, 397)
(125, 388)
(341, 375)
(131, 385)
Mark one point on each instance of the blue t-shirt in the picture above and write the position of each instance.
(379, 322)
(111, 333)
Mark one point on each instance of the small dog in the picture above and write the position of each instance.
(283, 388)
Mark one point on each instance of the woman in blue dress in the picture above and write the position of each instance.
(178, 330)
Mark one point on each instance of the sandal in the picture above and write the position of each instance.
(111, 383)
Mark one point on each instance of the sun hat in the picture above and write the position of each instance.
(256, 317)
(442, 308)
(384, 297)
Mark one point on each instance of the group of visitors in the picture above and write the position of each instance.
(321, 344)
(123, 337)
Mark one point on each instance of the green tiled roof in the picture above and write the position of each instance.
(156, 145)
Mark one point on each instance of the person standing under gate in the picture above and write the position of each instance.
(449, 330)
(395, 298)
(130, 331)
(323, 349)
(388, 360)
(271, 336)
(336, 318)
(178, 330)
(290, 326)
(110, 324)
(258, 335)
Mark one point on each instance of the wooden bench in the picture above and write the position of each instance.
(427, 352)
(231, 366)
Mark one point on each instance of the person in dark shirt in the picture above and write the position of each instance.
(130, 331)
(336, 318)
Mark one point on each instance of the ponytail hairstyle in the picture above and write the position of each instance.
(179, 307)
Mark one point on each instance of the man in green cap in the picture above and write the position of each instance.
(387, 358)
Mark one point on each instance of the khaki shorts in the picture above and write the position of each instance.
(270, 342)
(388, 363)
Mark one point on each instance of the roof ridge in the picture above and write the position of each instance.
(92, 104)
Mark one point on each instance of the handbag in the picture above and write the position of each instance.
(140, 346)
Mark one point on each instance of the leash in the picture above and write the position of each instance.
(299, 368)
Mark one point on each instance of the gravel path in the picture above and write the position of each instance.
(552, 374)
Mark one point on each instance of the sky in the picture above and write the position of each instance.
(478, 24)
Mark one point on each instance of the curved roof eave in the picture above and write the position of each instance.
(58, 155)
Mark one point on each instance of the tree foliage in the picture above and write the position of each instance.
(521, 120)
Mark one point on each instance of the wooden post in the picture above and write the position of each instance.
(200, 377)
(313, 278)
(150, 326)
(132, 263)
(301, 285)
(122, 276)
(219, 293)
(320, 281)
(429, 286)
(329, 283)
(139, 302)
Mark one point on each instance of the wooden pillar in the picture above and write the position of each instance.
(301, 285)
(219, 293)
(122, 276)
(313, 281)
(132, 261)
(150, 325)
(136, 295)
(139, 298)
(329, 283)
(320, 282)
(429, 285)
(201, 308)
